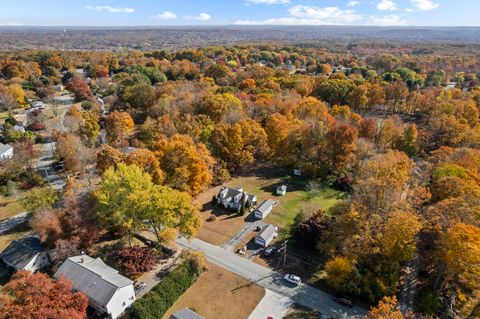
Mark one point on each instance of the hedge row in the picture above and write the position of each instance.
(158, 300)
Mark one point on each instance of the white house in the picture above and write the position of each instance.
(233, 198)
(25, 254)
(264, 208)
(6, 152)
(266, 235)
(281, 190)
(108, 292)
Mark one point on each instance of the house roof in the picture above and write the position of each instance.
(5, 148)
(20, 252)
(93, 277)
(267, 232)
(227, 192)
(186, 313)
(266, 204)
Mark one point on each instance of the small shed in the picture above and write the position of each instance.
(264, 208)
(297, 171)
(186, 313)
(266, 235)
(281, 190)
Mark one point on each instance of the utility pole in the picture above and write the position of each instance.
(283, 249)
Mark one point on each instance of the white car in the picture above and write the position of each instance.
(292, 279)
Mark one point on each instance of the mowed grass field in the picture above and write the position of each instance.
(10, 206)
(220, 294)
(263, 183)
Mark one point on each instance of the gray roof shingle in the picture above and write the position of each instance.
(186, 313)
(93, 277)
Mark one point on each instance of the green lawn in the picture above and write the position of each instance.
(263, 184)
(10, 206)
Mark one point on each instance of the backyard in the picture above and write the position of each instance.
(263, 183)
(220, 294)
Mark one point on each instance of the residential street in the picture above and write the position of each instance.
(303, 294)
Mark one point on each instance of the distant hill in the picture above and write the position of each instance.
(148, 38)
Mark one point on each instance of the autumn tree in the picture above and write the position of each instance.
(30, 295)
(339, 147)
(118, 126)
(40, 198)
(187, 166)
(79, 87)
(219, 105)
(136, 260)
(127, 200)
(342, 274)
(387, 308)
(239, 144)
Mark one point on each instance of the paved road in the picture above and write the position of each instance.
(273, 305)
(12, 222)
(45, 162)
(303, 294)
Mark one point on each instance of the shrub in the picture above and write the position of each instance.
(156, 302)
(136, 260)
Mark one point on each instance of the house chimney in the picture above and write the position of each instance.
(81, 260)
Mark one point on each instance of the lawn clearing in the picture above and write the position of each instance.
(220, 294)
(10, 206)
(262, 183)
(225, 226)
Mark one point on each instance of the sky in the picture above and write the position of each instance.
(239, 12)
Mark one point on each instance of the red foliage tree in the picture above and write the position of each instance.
(35, 296)
(78, 86)
(136, 259)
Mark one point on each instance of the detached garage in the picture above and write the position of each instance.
(264, 209)
(266, 235)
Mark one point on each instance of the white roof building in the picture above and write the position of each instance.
(108, 292)
(6, 152)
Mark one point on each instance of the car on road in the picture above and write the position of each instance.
(343, 300)
(270, 250)
(292, 279)
(140, 287)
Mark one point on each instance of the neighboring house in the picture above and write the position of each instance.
(6, 152)
(281, 190)
(264, 208)
(25, 254)
(186, 313)
(63, 99)
(266, 235)
(38, 105)
(59, 87)
(108, 292)
(297, 171)
(233, 198)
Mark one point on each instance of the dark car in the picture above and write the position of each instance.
(270, 250)
(343, 300)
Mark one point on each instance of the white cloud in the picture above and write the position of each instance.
(425, 5)
(310, 15)
(203, 17)
(269, 1)
(167, 15)
(353, 3)
(390, 20)
(386, 5)
(111, 9)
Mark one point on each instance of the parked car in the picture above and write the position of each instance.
(343, 300)
(292, 279)
(140, 287)
(270, 250)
